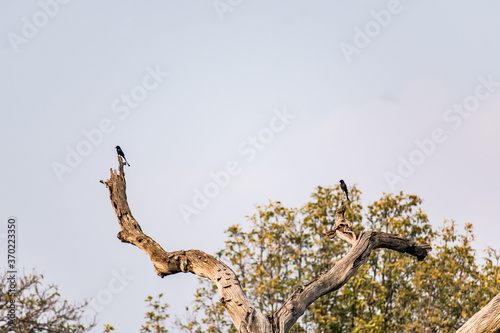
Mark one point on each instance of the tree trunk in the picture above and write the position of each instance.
(246, 318)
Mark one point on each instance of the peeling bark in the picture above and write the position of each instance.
(246, 317)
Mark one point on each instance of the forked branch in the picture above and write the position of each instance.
(244, 316)
(345, 268)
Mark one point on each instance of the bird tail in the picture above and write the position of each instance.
(126, 162)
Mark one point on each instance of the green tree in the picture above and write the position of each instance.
(281, 248)
(451, 285)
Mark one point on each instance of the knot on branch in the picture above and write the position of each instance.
(124, 237)
(225, 300)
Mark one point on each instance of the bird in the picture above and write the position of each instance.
(120, 153)
(343, 186)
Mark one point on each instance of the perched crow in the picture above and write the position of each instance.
(120, 153)
(343, 186)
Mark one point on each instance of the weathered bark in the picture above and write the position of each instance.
(245, 317)
(344, 269)
(487, 320)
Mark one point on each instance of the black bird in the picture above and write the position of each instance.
(343, 186)
(120, 153)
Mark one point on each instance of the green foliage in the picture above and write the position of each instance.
(108, 328)
(281, 248)
(40, 308)
(492, 272)
(156, 318)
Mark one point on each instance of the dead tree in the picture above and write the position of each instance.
(246, 318)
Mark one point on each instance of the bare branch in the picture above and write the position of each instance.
(244, 316)
(344, 269)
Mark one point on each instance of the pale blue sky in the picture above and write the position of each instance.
(226, 78)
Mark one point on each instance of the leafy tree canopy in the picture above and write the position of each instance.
(281, 248)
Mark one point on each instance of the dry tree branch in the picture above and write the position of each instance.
(245, 317)
(345, 268)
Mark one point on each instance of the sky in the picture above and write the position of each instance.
(223, 105)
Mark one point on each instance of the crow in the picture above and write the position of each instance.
(120, 153)
(343, 186)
